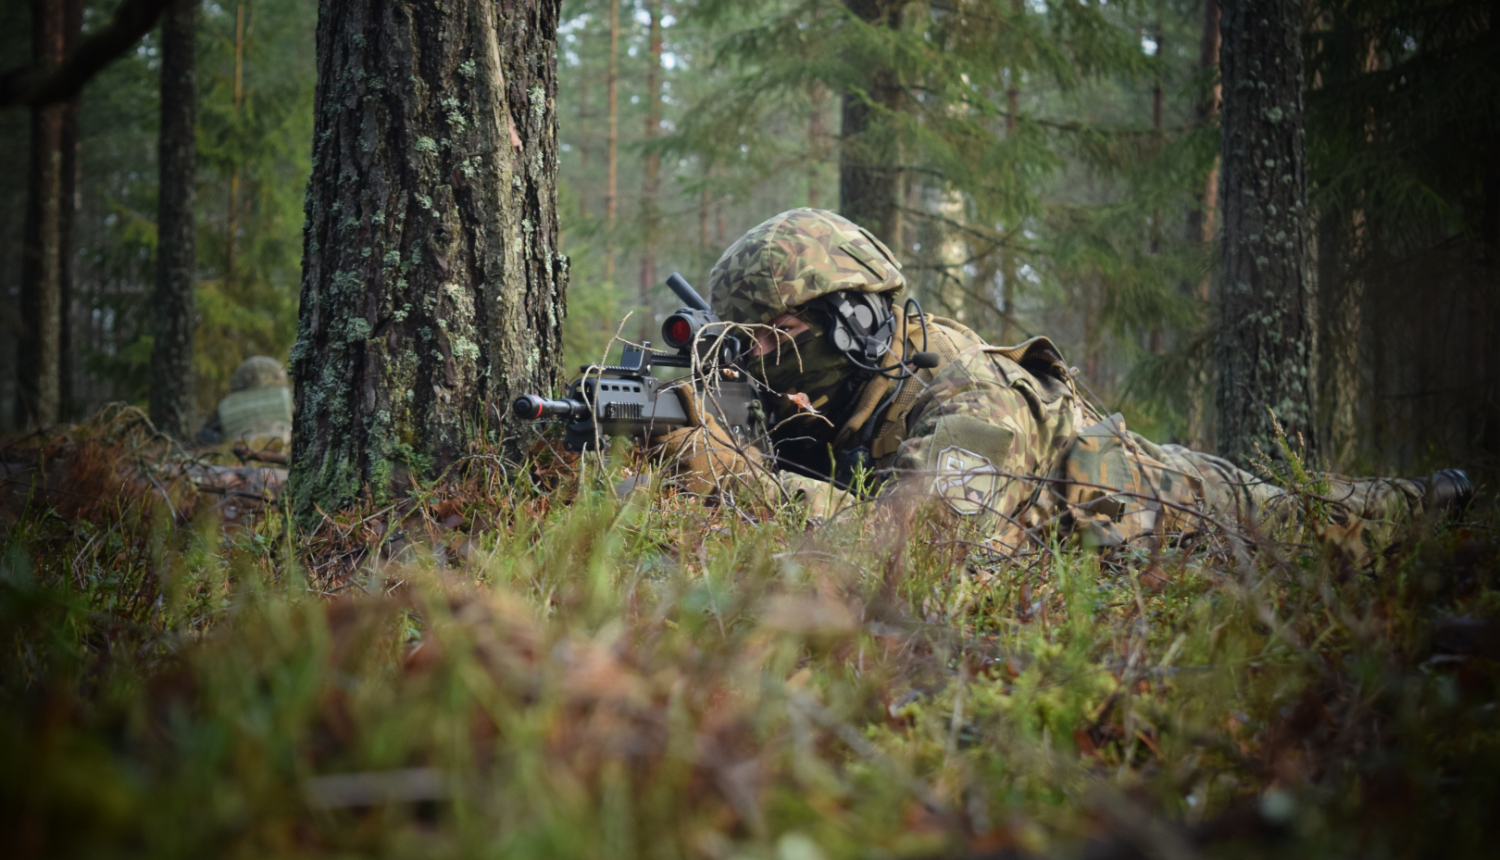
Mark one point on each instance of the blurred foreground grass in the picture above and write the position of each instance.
(512, 663)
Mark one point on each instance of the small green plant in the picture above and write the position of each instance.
(510, 661)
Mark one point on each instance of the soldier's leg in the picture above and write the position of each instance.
(1120, 485)
(1223, 488)
(1386, 501)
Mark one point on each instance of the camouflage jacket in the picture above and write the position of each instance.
(978, 435)
(1001, 441)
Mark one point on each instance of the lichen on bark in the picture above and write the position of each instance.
(1266, 326)
(426, 307)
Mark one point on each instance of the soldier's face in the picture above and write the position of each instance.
(778, 332)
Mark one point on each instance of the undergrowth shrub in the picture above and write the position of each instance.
(513, 662)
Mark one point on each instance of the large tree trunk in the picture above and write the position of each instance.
(1266, 344)
(39, 381)
(651, 173)
(869, 154)
(176, 253)
(432, 287)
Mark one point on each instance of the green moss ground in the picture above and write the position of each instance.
(515, 664)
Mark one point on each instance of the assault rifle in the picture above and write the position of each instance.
(624, 399)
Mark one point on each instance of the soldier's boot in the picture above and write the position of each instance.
(1448, 491)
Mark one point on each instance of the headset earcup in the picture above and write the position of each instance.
(841, 337)
(865, 316)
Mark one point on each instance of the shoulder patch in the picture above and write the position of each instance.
(965, 480)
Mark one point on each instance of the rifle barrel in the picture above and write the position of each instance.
(531, 407)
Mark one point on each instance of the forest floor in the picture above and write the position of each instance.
(511, 662)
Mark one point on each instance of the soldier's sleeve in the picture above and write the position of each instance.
(984, 442)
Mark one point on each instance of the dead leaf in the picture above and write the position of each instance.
(1154, 579)
(803, 403)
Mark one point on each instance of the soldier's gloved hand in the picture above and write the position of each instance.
(704, 456)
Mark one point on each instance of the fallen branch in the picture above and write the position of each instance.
(244, 452)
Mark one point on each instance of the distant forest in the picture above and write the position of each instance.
(1048, 167)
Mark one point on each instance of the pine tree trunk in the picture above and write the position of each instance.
(67, 219)
(1200, 219)
(432, 287)
(1266, 336)
(39, 377)
(1154, 338)
(612, 141)
(583, 130)
(817, 95)
(1008, 325)
(176, 254)
(1200, 225)
(651, 174)
(870, 172)
(1339, 248)
(232, 215)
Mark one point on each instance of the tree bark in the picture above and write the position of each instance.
(651, 173)
(1266, 338)
(176, 252)
(39, 389)
(432, 287)
(869, 155)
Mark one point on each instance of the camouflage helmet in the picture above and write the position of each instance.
(794, 258)
(257, 371)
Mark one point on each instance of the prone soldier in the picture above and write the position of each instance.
(999, 436)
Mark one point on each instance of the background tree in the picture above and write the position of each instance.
(1403, 108)
(1266, 324)
(651, 168)
(1046, 161)
(870, 155)
(42, 313)
(432, 285)
(176, 251)
(612, 143)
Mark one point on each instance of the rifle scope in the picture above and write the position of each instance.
(680, 329)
